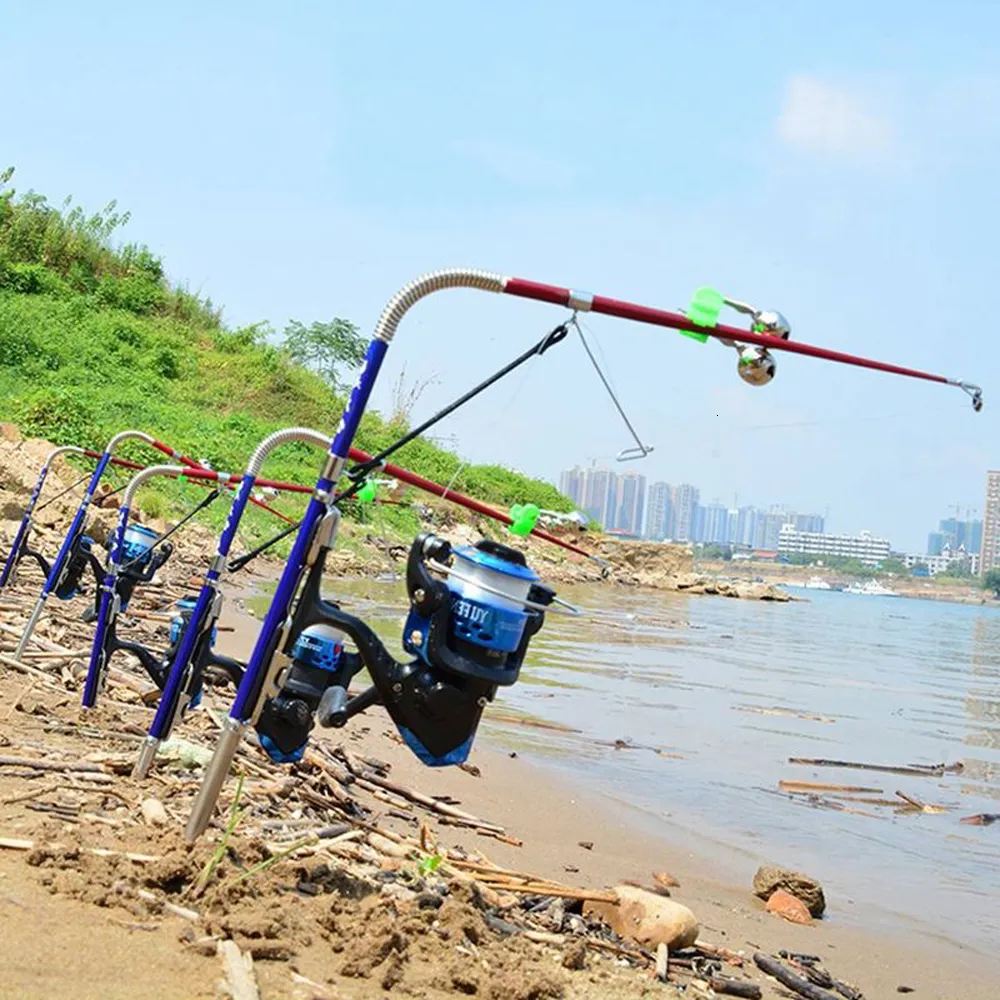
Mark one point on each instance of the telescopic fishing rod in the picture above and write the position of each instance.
(132, 560)
(21, 538)
(472, 611)
(75, 555)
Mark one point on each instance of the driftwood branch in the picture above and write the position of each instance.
(923, 770)
(788, 978)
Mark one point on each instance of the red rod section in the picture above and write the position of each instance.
(660, 317)
(199, 473)
(429, 486)
(192, 464)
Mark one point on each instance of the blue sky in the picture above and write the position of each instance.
(837, 162)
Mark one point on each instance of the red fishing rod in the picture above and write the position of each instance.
(191, 464)
(470, 503)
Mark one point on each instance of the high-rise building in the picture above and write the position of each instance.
(630, 502)
(813, 523)
(685, 505)
(599, 492)
(660, 516)
(767, 528)
(571, 484)
(957, 534)
(746, 527)
(714, 522)
(989, 557)
(732, 525)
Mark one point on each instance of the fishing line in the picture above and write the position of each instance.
(555, 336)
(214, 495)
(377, 461)
(62, 493)
(641, 450)
(846, 420)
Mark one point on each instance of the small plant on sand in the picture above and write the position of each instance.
(235, 816)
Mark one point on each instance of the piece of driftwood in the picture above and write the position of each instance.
(241, 980)
(17, 844)
(820, 786)
(923, 770)
(980, 819)
(53, 765)
(662, 962)
(788, 978)
(735, 988)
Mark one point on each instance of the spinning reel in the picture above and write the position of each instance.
(141, 566)
(473, 612)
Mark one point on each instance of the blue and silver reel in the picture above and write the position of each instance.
(473, 612)
(316, 658)
(185, 607)
(137, 545)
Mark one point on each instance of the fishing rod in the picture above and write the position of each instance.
(21, 538)
(131, 560)
(291, 487)
(75, 555)
(434, 489)
(435, 700)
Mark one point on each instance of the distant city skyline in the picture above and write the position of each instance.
(623, 502)
(675, 511)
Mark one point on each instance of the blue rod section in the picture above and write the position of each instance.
(166, 710)
(253, 677)
(76, 526)
(95, 668)
(22, 531)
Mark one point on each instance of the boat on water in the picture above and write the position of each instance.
(870, 588)
(817, 583)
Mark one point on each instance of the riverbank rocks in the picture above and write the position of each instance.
(646, 918)
(768, 879)
(789, 907)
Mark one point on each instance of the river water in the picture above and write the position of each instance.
(716, 694)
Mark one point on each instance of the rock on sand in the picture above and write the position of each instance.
(647, 918)
(768, 879)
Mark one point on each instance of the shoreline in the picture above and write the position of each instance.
(630, 842)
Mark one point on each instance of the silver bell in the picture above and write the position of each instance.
(772, 322)
(756, 366)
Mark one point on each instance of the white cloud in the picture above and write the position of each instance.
(516, 164)
(834, 121)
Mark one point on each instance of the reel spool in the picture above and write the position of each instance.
(137, 546)
(185, 608)
(473, 612)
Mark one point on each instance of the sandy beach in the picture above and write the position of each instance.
(105, 952)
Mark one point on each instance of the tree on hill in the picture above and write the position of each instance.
(326, 348)
(992, 582)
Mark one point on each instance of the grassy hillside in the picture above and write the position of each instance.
(94, 340)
